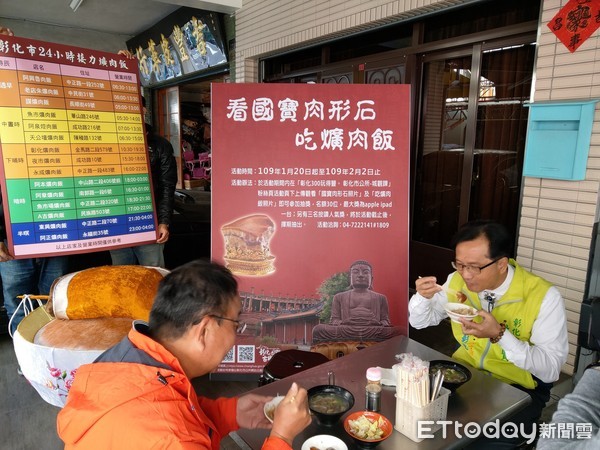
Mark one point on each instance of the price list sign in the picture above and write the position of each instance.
(75, 171)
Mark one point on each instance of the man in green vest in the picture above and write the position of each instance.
(520, 335)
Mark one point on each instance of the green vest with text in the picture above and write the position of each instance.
(517, 308)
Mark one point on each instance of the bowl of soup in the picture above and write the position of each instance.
(329, 402)
(455, 374)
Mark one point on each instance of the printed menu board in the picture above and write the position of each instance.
(75, 171)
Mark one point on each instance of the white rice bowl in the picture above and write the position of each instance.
(460, 311)
(270, 407)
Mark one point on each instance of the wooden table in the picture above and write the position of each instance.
(483, 399)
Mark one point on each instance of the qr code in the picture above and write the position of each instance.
(245, 353)
(229, 357)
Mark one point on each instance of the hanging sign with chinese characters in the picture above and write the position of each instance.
(576, 22)
(186, 42)
(310, 196)
(75, 171)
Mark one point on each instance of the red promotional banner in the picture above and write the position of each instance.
(309, 180)
(576, 22)
(75, 173)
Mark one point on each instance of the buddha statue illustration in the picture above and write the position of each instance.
(358, 313)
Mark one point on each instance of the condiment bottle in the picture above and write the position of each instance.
(373, 389)
(374, 375)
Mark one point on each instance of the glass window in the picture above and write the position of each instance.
(441, 151)
(504, 89)
(485, 143)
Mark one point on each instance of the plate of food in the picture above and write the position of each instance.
(459, 310)
(368, 428)
(270, 407)
(324, 442)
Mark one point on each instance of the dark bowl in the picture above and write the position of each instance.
(455, 374)
(364, 442)
(342, 400)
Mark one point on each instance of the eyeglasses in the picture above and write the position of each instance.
(240, 326)
(471, 269)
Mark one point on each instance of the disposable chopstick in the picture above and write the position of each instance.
(413, 385)
(448, 290)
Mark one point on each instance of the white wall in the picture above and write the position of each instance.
(558, 216)
(68, 36)
(268, 26)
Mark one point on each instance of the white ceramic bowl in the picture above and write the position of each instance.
(270, 406)
(324, 441)
(459, 310)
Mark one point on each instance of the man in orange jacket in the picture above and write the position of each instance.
(138, 393)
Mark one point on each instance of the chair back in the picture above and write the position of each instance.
(290, 362)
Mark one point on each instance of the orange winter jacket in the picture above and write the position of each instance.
(136, 396)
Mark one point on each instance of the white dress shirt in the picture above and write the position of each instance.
(548, 348)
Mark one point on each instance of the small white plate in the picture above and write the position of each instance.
(324, 441)
(457, 310)
(270, 406)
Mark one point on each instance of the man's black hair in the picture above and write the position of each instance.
(189, 293)
(500, 240)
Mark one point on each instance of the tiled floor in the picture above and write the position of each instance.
(29, 423)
